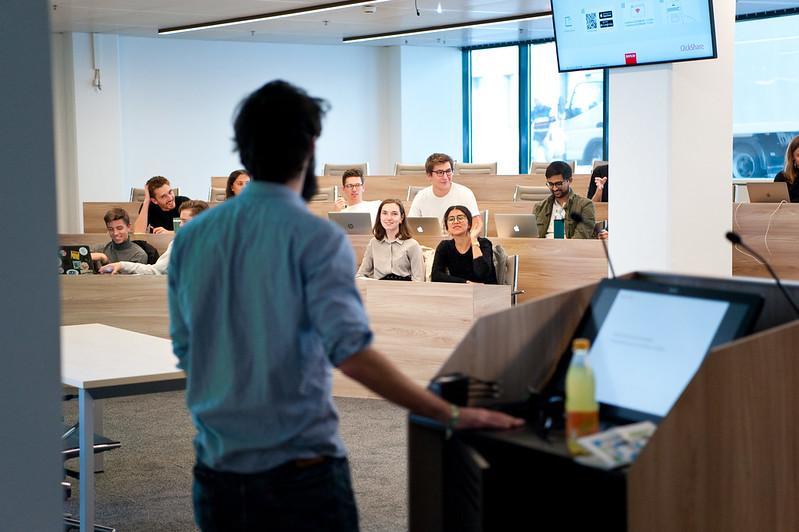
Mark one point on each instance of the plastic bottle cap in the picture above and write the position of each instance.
(581, 343)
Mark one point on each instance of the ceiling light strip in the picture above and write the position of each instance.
(447, 27)
(267, 16)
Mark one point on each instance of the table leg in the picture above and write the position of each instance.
(86, 443)
(99, 462)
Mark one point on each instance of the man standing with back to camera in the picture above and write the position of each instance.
(262, 305)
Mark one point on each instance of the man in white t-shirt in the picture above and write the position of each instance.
(442, 192)
(351, 200)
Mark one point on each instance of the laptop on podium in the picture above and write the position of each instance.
(767, 192)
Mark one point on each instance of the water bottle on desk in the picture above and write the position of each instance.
(582, 411)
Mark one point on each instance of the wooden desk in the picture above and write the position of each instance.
(494, 207)
(159, 242)
(416, 324)
(545, 266)
(772, 230)
(132, 302)
(485, 187)
(103, 362)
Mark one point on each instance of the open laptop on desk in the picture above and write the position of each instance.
(353, 223)
(425, 225)
(516, 225)
(75, 260)
(767, 192)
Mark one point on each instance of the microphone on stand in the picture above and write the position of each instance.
(736, 240)
(578, 219)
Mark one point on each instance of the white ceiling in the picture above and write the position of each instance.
(144, 17)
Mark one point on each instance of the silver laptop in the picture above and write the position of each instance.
(516, 225)
(425, 225)
(767, 192)
(353, 223)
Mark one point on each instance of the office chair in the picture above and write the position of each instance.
(408, 169)
(326, 194)
(475, 169)
(338, 169)
(540, 168)
(216, 194)
(412, 191)
(507, 268)
(530, 193)
(70, 449)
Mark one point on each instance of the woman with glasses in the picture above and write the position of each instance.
(392, 254)
(466, 258)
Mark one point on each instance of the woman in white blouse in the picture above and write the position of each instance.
(392, 254)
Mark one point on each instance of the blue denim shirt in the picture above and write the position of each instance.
(262, 304)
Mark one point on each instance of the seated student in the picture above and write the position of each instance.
(392, 253)
(466, 258)
(162, 207)
(561, 203)
(353, 187)
(236, 181)
(117, 222)
(188, 210)
(598, 186)
(790, 174)
(442, 192)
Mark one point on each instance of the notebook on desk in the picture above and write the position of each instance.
(767, 192)
(353, 223)
(425, 225)
(516, 225)
(75, 260)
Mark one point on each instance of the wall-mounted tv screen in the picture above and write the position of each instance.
(593, 34)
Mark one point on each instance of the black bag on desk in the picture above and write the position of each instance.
(395, 277)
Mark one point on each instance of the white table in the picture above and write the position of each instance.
(102, 362)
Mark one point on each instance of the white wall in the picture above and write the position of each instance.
(167, 107)
(669, 140)
(431, 103)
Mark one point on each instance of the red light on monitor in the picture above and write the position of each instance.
(630, 58)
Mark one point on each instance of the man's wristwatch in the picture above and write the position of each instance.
(454, 417)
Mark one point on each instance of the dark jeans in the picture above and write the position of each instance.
(294, 497)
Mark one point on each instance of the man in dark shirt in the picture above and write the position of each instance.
(163, 207)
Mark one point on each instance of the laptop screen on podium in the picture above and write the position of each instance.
(648, 340)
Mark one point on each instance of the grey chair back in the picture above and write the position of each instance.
(530, 193)
(339, 169)
(475, 168)
(408, 169)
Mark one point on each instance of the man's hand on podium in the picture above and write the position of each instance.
(480, 418)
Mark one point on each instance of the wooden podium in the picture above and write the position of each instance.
(725, 457)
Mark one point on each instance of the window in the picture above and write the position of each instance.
(765, 114)
(566, 110)
(495, 107)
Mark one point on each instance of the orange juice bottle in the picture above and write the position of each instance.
(582, 411)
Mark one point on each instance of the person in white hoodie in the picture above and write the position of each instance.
(188, 210)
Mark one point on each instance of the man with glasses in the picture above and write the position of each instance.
(162, 207)
(351, 200)
(553, 215)
(443, 193)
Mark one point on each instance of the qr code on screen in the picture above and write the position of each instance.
(590, 21)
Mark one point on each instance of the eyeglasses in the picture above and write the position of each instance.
(353, 185)
(555, 185)
(458, 218)
(442, 173)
